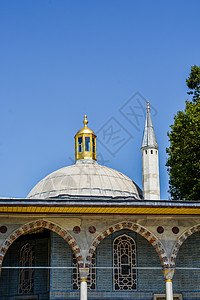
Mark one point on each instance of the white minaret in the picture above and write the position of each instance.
(150, 166)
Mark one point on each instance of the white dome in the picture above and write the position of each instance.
(85, 179)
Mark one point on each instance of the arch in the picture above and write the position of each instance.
(180, 241)
(155, 242)
(42, 224)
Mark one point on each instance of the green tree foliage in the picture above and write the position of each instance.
(183, 162)
(193, 82)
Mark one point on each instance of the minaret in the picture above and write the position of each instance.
(150, 166)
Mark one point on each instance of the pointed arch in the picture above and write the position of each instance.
(149, 236)
(42, 224)
(180, 241)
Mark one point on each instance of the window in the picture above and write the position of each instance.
(91, 277)
(93, 145)
(87, 143)
(124, 259)
(26, 282)
(80, 144)
(151, 151)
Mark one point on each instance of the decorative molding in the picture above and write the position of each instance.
(84, 272)
(91, 277)
(27, 297)
(180, 241)
(155, 242)
(42, 224)
(162, 297)
(168, 273)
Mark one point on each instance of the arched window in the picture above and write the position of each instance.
(91, 277)
(26, 283)
(124, 259)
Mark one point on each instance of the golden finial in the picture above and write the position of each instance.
(85, 121)
(148, 106)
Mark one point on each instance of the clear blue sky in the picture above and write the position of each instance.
(62, 59)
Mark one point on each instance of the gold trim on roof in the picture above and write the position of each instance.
(101, 210)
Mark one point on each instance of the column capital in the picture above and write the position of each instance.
(83, 272)
(168, 274)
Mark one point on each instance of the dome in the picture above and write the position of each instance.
(85, 129)
(84, 179)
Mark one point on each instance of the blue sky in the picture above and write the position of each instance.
(62, 59)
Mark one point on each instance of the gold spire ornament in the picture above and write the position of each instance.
(85, 143)
(85, 121)
(148, 108)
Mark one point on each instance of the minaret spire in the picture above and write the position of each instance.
(149, 138)
(150, 166)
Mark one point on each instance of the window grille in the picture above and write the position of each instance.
(91, 283)
(26, 282)
(124, 259)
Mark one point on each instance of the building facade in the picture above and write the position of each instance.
(88, 232)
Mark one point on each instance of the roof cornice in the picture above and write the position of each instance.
(99, 206)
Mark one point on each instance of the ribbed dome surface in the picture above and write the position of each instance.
(85, 179)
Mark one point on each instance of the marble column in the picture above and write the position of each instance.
(83, 272)
(168, 274)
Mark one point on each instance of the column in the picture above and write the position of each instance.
(168, 274)
(83, 272)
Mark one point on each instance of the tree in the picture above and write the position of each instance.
(183, 164)
(193, 82)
